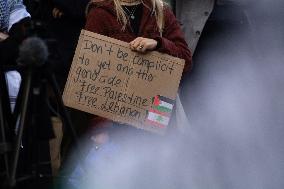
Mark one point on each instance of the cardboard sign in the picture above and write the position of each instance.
(109, 80)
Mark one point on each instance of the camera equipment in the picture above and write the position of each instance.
(26, 125)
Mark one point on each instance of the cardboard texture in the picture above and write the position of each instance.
(109, 80)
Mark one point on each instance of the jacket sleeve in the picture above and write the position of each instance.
(95, 20)
(173, 42)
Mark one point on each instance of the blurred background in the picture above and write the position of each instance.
(233, 99)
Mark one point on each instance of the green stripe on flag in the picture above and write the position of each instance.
(162, 109)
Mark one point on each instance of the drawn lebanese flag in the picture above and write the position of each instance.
(159, 114)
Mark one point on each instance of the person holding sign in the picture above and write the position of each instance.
(147, 25)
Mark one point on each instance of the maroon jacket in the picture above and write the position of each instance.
(101, 18)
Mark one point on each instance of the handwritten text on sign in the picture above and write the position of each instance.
(109, 80)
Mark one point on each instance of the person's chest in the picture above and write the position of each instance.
(147, 28)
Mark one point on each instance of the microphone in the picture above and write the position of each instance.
(32, 52)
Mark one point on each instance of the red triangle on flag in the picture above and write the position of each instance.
(156, 101)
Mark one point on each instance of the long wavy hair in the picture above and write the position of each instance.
(157, 9)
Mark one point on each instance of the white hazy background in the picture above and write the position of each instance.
(236, 112)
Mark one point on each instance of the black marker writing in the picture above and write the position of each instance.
(90, 45)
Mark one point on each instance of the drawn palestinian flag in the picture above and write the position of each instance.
(159, 114)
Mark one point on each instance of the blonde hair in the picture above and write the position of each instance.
(157, 9)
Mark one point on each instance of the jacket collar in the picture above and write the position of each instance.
(109, 4)
(147, 10)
